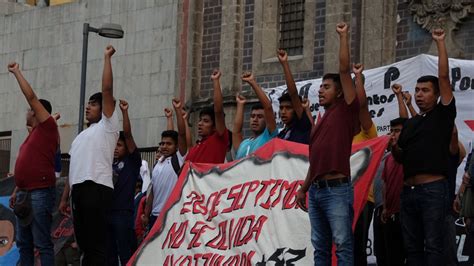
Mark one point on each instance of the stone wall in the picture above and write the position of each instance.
(47, 43)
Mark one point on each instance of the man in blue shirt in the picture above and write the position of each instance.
(126, 169)
(262, 121)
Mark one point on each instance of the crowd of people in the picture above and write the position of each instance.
(411, 201)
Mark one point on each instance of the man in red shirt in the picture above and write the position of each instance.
(392, 176)
(34, 196)
(328, 181)
(213, 134)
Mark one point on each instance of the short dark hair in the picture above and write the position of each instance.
(47, 105)
(121, 136)
(96, 98)
(257, 106)
(8, 215)
(430, 78)
(397, 122)
(209, 110)
(336, 78)
(170, 134)
(285, 97)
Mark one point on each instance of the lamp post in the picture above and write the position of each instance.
(107, 30)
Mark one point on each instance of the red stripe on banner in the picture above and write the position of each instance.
(470, 123)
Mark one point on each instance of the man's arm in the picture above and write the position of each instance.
(108, 105)
(407, 98)
(169, 119)
(305, 104)
(301, 193)
(262, 97)
(290, 83)
(189, 137)
(40, 112)
(148, 207)
(182, 141)
(364, 116)
(127, 128)
(402, 110)
(63, 204)
(443, 67)
(238, 122)
(344, 65)
(218, 103)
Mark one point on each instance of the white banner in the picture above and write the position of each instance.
(383, 103)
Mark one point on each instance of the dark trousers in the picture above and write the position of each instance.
(423, 214)
(450, 246)
(361, 235)
(379, 238)
(121, 237)
(394, 241)
(90, 205)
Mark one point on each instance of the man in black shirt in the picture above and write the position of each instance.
(292, 114)
(423, 149)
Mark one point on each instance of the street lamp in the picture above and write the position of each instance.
(108, 30)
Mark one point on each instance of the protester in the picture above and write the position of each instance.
(214, 136)
(392, 176)
(262, 121)
(126, 170)
(328, 179)
(90, 173)
(35, 192)
(292, 114)
(425, 165)
(173, 148)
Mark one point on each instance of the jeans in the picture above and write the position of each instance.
(450, 247)
(423, 212)
(394, 241)
(91, 203)
(331, 215)
(38, 233)
(121, 237)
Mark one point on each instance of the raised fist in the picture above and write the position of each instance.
(397, 89)
(247, 77)
(168, 113)
(216, 74)
(177, 103)
(357, 68)
(123, 105)
(240, 99)
(438, 35)
(13, 67)
(342, 28)
(109, 50)
(282, 55)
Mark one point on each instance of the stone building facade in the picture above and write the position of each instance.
(171, 47)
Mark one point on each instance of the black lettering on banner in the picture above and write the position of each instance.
(392, 74)
(465, 83)
(284, 257)
(304, 90)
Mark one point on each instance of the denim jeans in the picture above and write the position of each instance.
(38, 233)
(423, 212)
(331, 215)
(121, 237)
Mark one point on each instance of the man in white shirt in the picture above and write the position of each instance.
(90, 173)
(173, 149)
(164, 177)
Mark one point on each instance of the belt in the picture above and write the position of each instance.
(323, 183)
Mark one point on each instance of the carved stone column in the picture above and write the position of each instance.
(446, 14)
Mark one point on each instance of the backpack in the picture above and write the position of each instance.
(175, 164)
